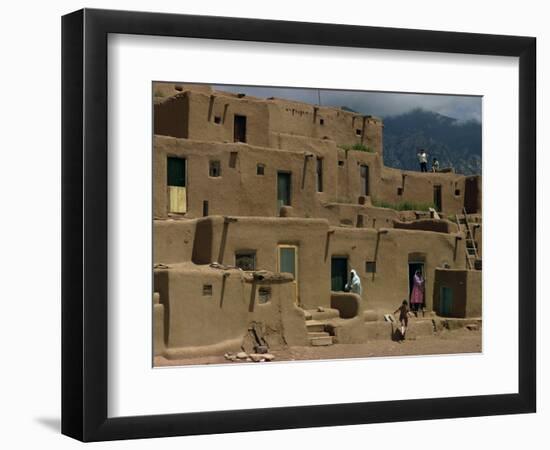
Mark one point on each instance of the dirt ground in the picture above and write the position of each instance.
(446, 342)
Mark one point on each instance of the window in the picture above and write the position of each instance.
(341, 163)
(283, 189)
(321, 121)
(205, 208)
(319, 169)
(358, 132)
(217, 119)
(264, 294)
(260, 169)
(245, 260)
(457, 192)
(215, 169)
(399, 191)
(370, 267)
(207, 289)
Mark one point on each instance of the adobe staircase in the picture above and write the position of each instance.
(317, 321)
(472, 258)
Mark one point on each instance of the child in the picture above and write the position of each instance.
(403, 317)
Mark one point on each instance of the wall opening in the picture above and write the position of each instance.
(338, 273)
(287, 261)
(239, 128)
(264, 294)
(207, 289)
(370, 267)
(217, 119)
(246, 260)
(233, 159)
(283, 189)
(364, 171)
(437, 197)
(417, 264)
(177, 181)
(260, 169)
(319, 170)
(204, 208)
(215, 169)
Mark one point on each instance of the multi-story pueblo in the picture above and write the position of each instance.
(278, 226)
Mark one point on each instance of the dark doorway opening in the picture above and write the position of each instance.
(471, 195)
(339, 273)
(239, 128)
(283, 189)
(413, 267)
(437, 197)
(364, 179)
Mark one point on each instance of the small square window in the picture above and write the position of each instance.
(207, 289)
(245, 260)
(399, 191)
(457, 192)
(264, 294)
(370, 267)
(215, 169)
(260, 169)
(321, 121)
(340, 163)
(358, 132)
(217, 119)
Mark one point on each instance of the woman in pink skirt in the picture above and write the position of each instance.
(417, 294)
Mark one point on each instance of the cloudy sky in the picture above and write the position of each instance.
(380, 104)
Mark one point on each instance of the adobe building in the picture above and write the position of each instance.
(263, 206)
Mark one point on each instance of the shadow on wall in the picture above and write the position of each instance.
(202, 242)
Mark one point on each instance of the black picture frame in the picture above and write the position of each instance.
(84, 224)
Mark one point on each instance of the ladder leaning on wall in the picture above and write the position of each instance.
(471, 247)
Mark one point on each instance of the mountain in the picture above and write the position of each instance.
(454, 143)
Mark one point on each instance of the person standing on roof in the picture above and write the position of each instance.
(423, 160)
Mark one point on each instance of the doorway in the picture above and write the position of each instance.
(287, 261)
(338, 273)
(445, 301)
(177, 182)
(413, 267)
(437, 197)
(239, 128)
(364, 170)
(471, 195)
(283, 189)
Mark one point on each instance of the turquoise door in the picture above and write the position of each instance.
(445, 301)
(283, 189)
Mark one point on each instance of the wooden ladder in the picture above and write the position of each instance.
(471, 247)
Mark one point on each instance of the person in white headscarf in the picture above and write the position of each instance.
(354, 284)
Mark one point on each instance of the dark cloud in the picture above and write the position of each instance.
(380, 104)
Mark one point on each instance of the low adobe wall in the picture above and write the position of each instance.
(348, 304)
(435, 225)
(206, 307)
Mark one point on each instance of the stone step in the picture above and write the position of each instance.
(315, 325)
(321, 314)
(320, 341)
(314, 334)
